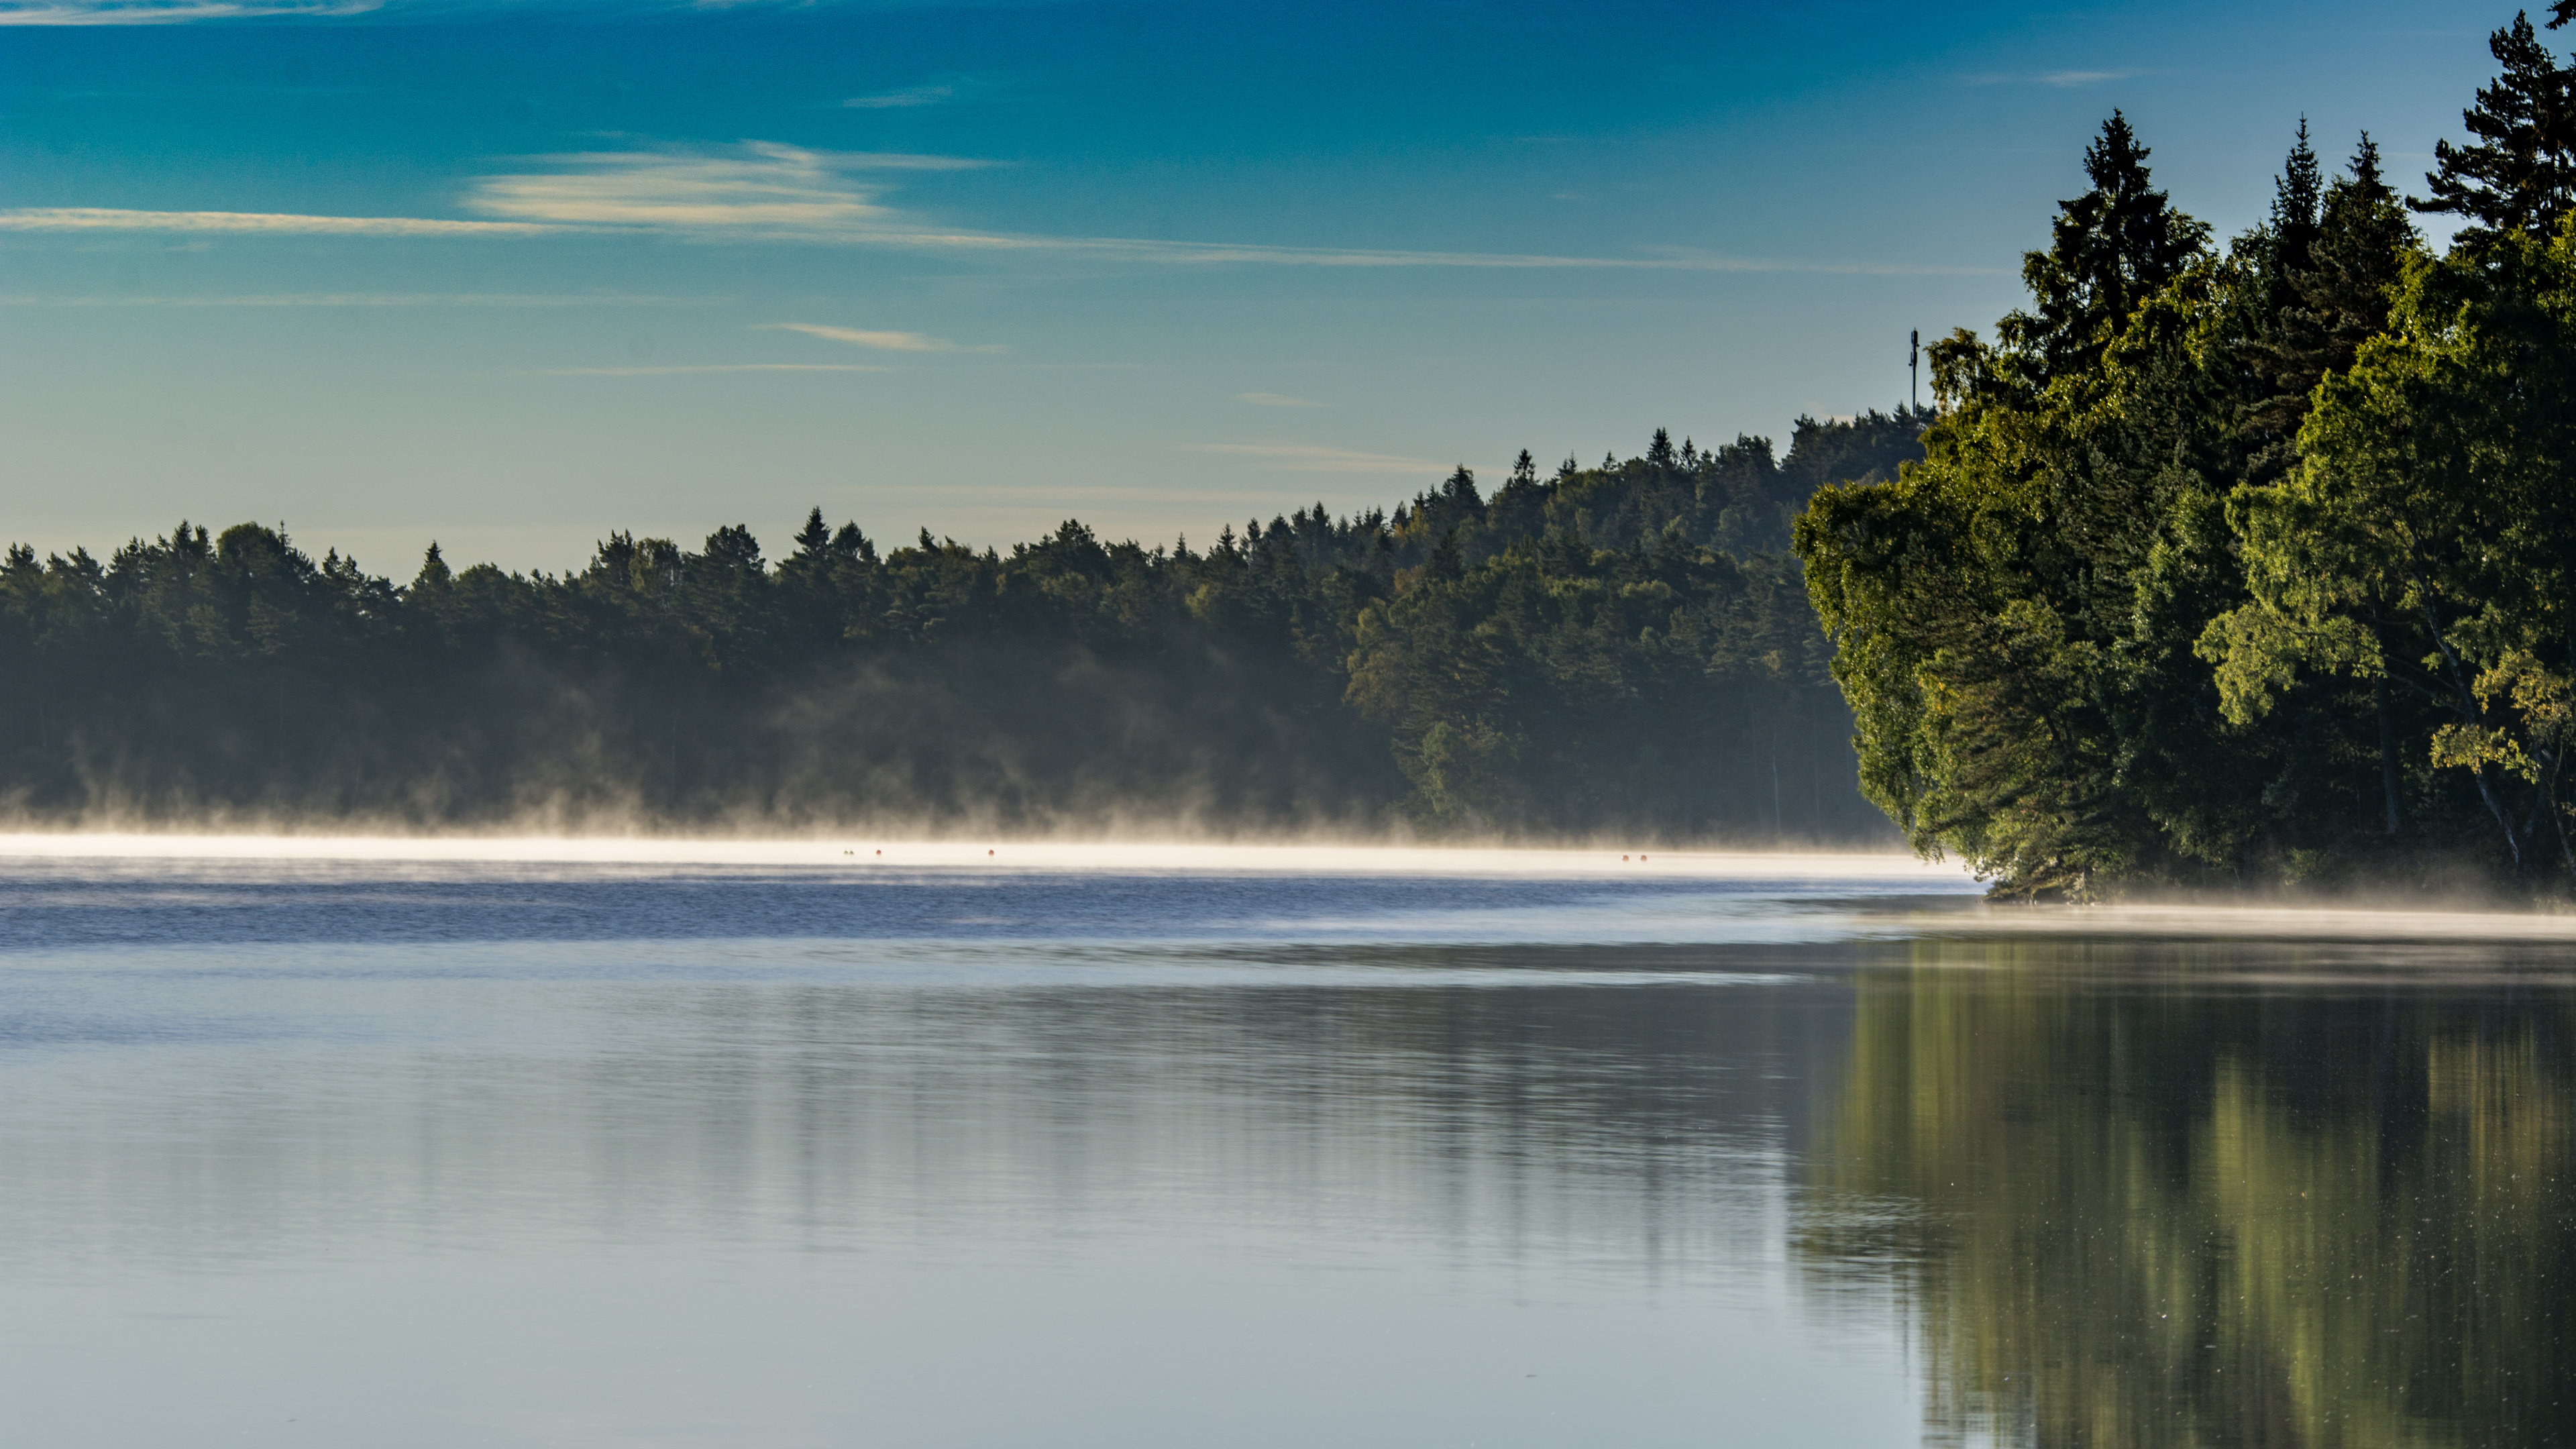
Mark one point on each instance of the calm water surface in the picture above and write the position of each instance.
(456, 1152)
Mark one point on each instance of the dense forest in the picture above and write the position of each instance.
(1616, 650)
(2251, 564)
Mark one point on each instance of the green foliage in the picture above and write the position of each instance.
(2429, 535)
(2251, 566)
(1998, 607)
(2113, 248)
(1524, 691)
(2519, 175)
(1572, 655)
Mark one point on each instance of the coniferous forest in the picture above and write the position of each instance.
(1624, 649)
(2218, 564)
(2251, 563)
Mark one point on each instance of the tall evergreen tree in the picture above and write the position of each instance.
(2344, 292)
(2297, 194)
(2519, 175)
(814, 538)
(2320, 297)
(2111, 249)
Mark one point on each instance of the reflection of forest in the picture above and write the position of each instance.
(1645, 1127)
(2134, 1213)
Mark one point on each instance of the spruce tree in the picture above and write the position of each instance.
(2297, 193)
(2519, 175)
(814, 537)
(2326, 297)
(2362, 238)
(434, 576)
(2113, 247)
(849, 543)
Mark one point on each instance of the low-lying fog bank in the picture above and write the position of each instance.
(998, 854)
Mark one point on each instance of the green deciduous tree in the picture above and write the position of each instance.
(2250, 566)
(2428, 538)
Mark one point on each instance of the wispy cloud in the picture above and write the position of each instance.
(763, 192)
(1274, 400)
(1307, 458)
(758, 187)
(708, 367)
(2062, 79)
(1693, 259)
(369, 299)
(881, 341)
(908, 97)
(254, 223)
(167, 12)
(1659, 259)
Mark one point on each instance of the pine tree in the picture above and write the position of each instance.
(434, 574)
(2297, 193)
(2520, 173)
(2362, 237)
(2325, 299)
(1460, 489)
(849, 543)
(814, 537)
(2113, 247)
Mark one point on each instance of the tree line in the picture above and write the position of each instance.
(1618, 649)
(2250, 563)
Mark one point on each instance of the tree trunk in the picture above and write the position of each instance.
(2388, 757)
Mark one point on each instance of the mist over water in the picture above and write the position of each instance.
(757, 1143)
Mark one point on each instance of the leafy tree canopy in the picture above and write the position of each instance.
(2251, 565)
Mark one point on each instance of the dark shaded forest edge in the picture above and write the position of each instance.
(2244, 567)
(1624, 650)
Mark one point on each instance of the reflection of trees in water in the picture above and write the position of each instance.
(2137, 1214)
(1638, 1126)
(1644, 1122)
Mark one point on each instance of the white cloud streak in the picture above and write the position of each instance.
(760, 188)
(762, 192)
(1307, 458)
(369, 299)
(254, 223)
(1274, 400)
(906, 98)
(2061, 79)
(881, 341)
(774, 188)
(167, 12)
(706, 367)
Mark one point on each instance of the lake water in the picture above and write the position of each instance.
(656, 1144)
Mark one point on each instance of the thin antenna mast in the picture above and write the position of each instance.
(1913, 344)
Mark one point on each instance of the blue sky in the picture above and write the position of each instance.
(511, 276)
